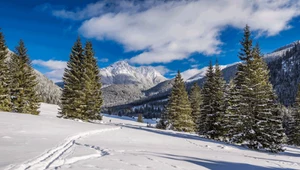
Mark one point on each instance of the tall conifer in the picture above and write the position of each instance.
(215, 130)
(268, 128)
(196, 101)
(207, 110)
(92, 85)
(5, 99)
(72, 106)
(294, 133)
(23, 82)
(179, 108)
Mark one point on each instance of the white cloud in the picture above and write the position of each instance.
(162, 69)
(55, 75)
(175, 29)
(56, 68)
(51, 64)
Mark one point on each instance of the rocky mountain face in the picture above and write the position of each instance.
(121, 72)
(123, 83)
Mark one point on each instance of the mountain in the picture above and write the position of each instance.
(47, 89)
(122, 73)
(284, 65)
(280, 51)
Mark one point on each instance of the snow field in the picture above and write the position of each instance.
(46, 142)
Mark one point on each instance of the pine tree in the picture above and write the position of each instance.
(5, 99)
(216, 129)
(196, 102)
(140, 118)
(92, 85)
(254, 102)
(215, 105)
(163, 122)
(231, 119)
(268, 128)
(24, 96)
(208, 97)
(72, 105)
(244, 127)
(179, 108)
(294, 134)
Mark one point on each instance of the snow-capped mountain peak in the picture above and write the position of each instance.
(122, 73)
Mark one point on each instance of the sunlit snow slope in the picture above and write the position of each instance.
(47, 142)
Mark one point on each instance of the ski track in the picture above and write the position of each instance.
(50, 157)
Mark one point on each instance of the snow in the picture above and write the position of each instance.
(47, 142)
(280, 51)
(202, 73)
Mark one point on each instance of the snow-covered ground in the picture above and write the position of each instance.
(47, 142)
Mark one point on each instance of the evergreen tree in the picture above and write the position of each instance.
(268, 128)
(243, 93)
(23, 84)
(72, 105)
(216, 107)
(92, 85)
(5, 99)
(163, 122)
(196, 101)
(140, 118)
(179, 108)
(294, 134)
(208, 99)
(216, 129)
(254, 102)
(231, 119)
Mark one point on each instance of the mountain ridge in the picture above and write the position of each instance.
(122, 73)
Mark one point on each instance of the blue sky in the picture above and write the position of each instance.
(170, 35)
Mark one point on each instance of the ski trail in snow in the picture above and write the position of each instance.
(45, 160)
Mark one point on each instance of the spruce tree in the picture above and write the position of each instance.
(179, 108)
(243, 93)
(92, 85)
(216, 129)
(72, 94)
(164, 121)
(5, 99)
(214, 107)
(23, 82)
(196, 101)
(254, 102)
(140, 118)
(208, 99)
(268, 128)
(231, 119)
(294, 133)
